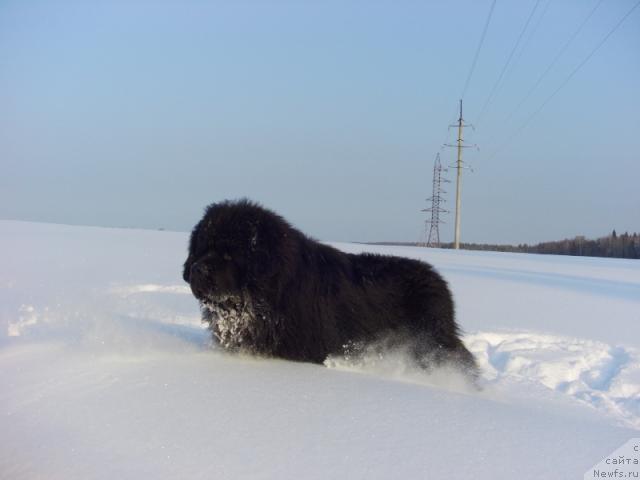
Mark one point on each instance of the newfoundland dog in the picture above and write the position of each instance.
(267, 289)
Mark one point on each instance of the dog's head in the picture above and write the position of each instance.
(236, 246)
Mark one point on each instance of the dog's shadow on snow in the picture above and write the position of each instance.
(149, 334)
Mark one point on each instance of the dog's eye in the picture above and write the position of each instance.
(227, 257)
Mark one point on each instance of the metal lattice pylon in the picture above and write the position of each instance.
(433, 223)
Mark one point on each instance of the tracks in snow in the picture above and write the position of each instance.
(603, 376)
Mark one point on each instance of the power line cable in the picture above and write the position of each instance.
(565, 81)
(506, 65)
(526, 43)
(531, 35)
(554, 61)
(477, 54)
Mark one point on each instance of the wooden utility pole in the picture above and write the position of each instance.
(459, 166)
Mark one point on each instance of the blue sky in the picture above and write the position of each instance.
(141, 113)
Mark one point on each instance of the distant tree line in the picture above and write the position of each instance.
(625, 245)
(618, 246)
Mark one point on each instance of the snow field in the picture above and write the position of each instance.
(107, 372)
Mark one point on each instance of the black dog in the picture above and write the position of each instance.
(266, 288)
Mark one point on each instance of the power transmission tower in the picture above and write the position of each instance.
(433, 238)
(459, 166)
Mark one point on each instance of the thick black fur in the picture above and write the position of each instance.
(306, 300)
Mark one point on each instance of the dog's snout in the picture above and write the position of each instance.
(200, 273)
(199, 279)
(198, 269)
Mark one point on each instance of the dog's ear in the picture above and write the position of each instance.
(264, 248)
